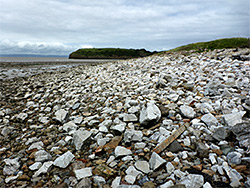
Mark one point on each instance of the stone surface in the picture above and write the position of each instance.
(11, 166)
(143, 166)
(233, 118)
(122, 151)
(209, 120)
(187, 111)
(150, 113)
(42, 155)
(83, 173)
(64, 160)
(192, 181)
(130, 118)
(61, 115)
(79, 137)
(156, 161)
(44, 168)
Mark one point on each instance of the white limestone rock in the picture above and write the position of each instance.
(35, 166)
(61, 115)
(42, 155)
(233, 118)
(79, 137)
(83, 173)
(122, 151)
(64, 160)
(130, 118)
(143, 166)
(11, 166)
(43, 169)
(209, 120)
(192, 181)
(150, 113)
(187, 111)
(156, 161)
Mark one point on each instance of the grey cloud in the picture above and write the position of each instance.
(155, 25)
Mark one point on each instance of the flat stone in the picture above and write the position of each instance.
(84, 183)
(234, 158)
(79, 137)
(220, 134)
(156, 161)
(209, 120)
(140, 145)
(11, 166)
(35, 166)
(187, 111)
(167, 184)
(202, 149)
(37, 145)
(122, 151)
(192, 181)
(22, 116)
(64, 160)
(242, 132)
(170, 168)
(70, 126)
(98, 180)
(143, 166)
(151, 113)
(43, 169)
(61, 115)
(175, 147)
(233, 175)
(132, 173)
(233, 118)
(83, 173)
(130, 118)
(116, 182)
(42, 155)
(132, 135)
(120, 127)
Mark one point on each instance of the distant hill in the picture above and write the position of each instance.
(215, 44)
(109, 53)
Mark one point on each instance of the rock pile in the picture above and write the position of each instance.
(98, 126)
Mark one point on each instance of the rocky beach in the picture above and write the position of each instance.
(169, 120)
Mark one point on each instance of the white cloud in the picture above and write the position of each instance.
(154, 25)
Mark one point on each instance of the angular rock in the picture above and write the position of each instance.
(233, 118)
(132, 135)
(234, 158)
(83, 173)
(84, 183)
(79, 137)
(143, 166)
(187, 111)
(220, 134)
(192, 181)
(70, 126)
(122, 151)
(98, 180)
(42, 155)
(209, 120)
(130, 118)
(43, 169)
(149, 114)
(64, 160)
(242, 132)
(35, 166)
(167, 184)
(116, 182)
(61, 115)
(170, 168)
(156, 161)
(132, 174)
(202, 149)
(11, 166)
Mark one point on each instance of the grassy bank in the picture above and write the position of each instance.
(215, 44)
(109, 53)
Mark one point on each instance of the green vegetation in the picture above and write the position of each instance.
(109, 53)
(215, 44)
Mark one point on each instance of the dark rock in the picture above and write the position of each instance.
(175, 147)
(242, 132)
(220, 134)
(202, 149)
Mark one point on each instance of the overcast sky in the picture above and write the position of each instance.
(62, 26)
